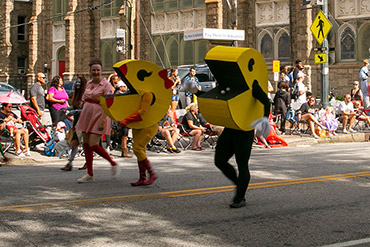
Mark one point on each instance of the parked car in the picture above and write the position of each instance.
(6, 88)
(69, 87)
(206, 79)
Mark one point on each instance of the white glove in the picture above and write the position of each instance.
(262, 127)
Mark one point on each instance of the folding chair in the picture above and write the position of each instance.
(210, 137)
(158, 143)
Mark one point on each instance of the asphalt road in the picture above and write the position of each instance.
(298, 196)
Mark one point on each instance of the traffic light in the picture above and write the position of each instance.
(305, 2)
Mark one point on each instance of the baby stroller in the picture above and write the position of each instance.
(37, 132)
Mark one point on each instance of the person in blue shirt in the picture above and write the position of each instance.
(191, 81)
(364, 74)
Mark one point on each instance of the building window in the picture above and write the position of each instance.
(21, 65)
(284, 47)
(108, 53)
(109, 10)
(274, 45)
(364, 41)
(267, 47)
(60, 8)
(21, 29)
(165, 5)
(177, 53)
(347, 47)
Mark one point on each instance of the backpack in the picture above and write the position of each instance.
(294, 93)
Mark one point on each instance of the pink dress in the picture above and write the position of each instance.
(92, 113)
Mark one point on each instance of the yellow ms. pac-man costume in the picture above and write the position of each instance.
(235, 69)
(239, 102)
(147, 102)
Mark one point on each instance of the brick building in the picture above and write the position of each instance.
(63, 35)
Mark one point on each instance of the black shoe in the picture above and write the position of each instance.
(67, 168)
(176, 150)
(238, 204)
(170, 150)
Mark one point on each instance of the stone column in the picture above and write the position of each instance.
(214, 10)
(70, 48)
(5, 43)
(33, 40)
(301, 21)
(247, 21)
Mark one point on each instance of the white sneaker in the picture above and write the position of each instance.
(352, 131)
(345, 131)
(20, 153)
(28, 153)
(315, 136)
(107, 149)
(86, 179)
(116, 170)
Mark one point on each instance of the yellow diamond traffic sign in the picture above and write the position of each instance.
(321, 58)
(320, 27)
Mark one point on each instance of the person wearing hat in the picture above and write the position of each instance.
(356, 93)
(301, 88)
(122, 89)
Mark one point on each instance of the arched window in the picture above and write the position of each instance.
(108, 53)
(347, 44)
(365, 41)
(158, 51)
(201, 51)
(187, 52)
(173, 51)
(267, 47)
(284, 47)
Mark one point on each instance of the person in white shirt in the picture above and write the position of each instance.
(347, 113)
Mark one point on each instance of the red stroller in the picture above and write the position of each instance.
(37, 132)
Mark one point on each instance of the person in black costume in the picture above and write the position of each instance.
(239, 142)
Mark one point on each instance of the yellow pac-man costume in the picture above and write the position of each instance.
(141, 109)
(239, 99)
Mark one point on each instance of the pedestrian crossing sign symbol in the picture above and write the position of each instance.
(321, 58)
(320, 27)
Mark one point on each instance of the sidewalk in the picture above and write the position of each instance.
(39, 157)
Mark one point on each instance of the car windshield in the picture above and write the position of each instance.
(6, 88)
(68, 85)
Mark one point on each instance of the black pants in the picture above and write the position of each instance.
(236, 142)
(57, 115)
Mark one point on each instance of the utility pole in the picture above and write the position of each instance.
(325, 66)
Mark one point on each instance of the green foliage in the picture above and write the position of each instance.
(339, 98)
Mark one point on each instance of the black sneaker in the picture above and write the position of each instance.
(176, 150)
(170, 150)
(238, 204)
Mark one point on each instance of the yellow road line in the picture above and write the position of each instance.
(179, 193)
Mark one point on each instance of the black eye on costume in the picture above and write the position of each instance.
(142, 74)
(250, 65)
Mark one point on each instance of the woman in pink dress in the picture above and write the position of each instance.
(93, 122)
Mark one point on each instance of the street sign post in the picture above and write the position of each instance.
(276, 70)
(321, 58)
(320, 27)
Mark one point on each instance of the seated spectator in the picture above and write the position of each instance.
(282, 101)
(356, 93)
(168, 129)
(61, 145)
(308, 112)
(6, 115)
(347, 113)
(192, 124)
(361, 113)
(329, 120)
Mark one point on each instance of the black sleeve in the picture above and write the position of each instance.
(259, 94)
